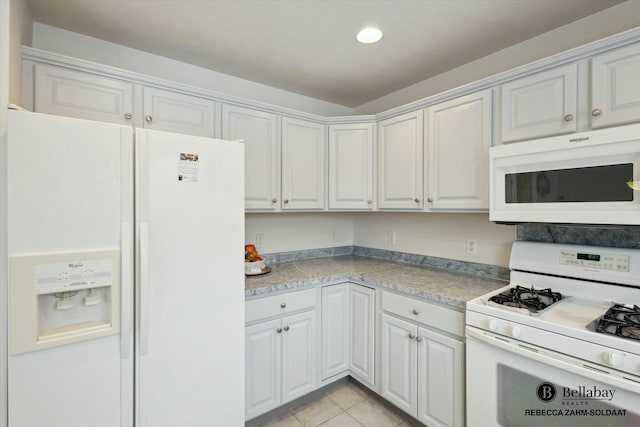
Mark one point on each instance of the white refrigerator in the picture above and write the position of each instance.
(126, 276)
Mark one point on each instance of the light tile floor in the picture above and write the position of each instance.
(346, 405)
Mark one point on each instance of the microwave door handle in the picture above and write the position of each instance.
(549, 358)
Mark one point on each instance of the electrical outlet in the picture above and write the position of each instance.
(259, 242)
(472, 246)
(392, 238)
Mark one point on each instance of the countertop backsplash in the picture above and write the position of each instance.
(481, 270)
(615, 236)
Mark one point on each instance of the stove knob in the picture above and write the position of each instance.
(515, 331)
(612, 358)
(492, 324)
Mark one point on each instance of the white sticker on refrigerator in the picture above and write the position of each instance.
(188, 167)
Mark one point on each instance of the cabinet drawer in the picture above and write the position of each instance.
(263, 308)
(445, 319)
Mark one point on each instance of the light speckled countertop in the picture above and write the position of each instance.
(447, 287)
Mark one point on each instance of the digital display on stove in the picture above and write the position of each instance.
(601, 261)
(589, 257)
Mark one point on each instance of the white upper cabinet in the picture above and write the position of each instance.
(90, 96)
(400, 162)
(78, 94)
(351, 176)
(540, 105)
(615, 87)
(304, 148)
(176, 112)
(261, 134)
(459, 134)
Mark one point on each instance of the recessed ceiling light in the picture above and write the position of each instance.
(369, 35)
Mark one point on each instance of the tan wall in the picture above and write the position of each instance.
(436, 234)
(21, 29)
(597, 26)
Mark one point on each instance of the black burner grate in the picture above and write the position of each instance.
(621, 320)
(535, 300)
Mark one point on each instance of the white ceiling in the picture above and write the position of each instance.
(309, 46)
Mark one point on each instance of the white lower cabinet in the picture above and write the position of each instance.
(263, 373)
(348, 331)
(440, 379)
(362, 321)
(335, 330)
(422, 371)
(280, 359)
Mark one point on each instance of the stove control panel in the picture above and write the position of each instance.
(600, 261)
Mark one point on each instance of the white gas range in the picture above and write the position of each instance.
(561, 344)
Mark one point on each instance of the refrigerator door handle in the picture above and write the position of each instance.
(144, 288)
(125, 290)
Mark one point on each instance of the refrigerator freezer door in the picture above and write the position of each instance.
(69, 190)
(190, 291)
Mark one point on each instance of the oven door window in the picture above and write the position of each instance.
(525, 400)
(587, 184)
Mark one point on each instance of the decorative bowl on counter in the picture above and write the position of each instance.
(255, 267)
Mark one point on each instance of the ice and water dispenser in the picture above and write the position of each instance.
(63, 298)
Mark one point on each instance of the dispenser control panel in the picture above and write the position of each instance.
(73, 275)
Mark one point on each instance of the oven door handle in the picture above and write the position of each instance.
(557, 360)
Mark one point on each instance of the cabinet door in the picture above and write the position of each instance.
(351, 166)
(304, 148)
(335, 330)
(362, 333)
(540, 105)
(262, 367)
(440, 380)
(86, 96)
(298, 355)
(400, 162)
(261, 134)
(458, 140)
(177, 112)
(615, 91)
(399, 363)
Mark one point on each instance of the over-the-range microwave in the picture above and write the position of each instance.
(588, 178)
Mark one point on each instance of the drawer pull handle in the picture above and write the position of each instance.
(596, 112)
(283, 305)
(286, 328)
(279, 330)
(411, 336)
(568, 117)
(419, 339)
(416, 312)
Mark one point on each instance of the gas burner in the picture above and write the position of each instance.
(534, 300)
(621, 320)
